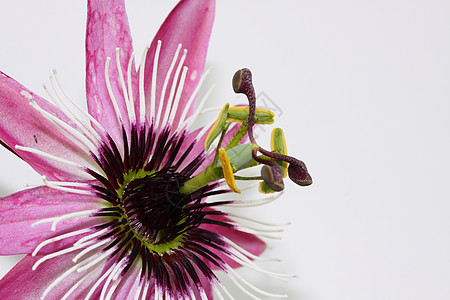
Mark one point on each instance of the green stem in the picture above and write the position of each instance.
(210, 174)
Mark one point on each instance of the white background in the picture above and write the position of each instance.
(364, 88)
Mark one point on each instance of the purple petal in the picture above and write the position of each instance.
(21, 124)
(107, 29)
(190, 24)
(22, 283)
(20, 210)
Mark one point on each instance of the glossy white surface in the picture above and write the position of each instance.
(364, 89)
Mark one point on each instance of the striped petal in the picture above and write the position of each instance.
(189, 24)
(108, 29)
(20, 210)
(23, 125)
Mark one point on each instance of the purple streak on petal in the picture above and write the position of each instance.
(190, 24)
(18, 211)
(21, 124)
(107, 29)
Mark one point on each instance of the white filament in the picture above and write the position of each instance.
(83, 126)
(178, 95)
(124, 88)
(97, 283)
(56, 254)
(91, 236)
(141, 87)
(154, 78)
(59, 186)
(90, 248)
(50, 156)
(111, 93)
(58, 238)
(173, 88)
(166, 82)
(76, 285)
(97, 260)
(59, 279)
(75, 136)
(74, 215)
(132, 112)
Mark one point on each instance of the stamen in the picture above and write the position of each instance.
(111, 93)
(169, 104)
(59, 279)
(97, 283)
(76, 285)
(142, 105)
(90, 248)
(97, 260)
(83, 126)
(146, 288)
(124, 88)
(58, 238)
(56, 254)
(55, 220)
(59, 186)
(50, 156)
(278, 145)
(131, 112)
(81, 110)
(217, 128)
(109, 279)
(139, 277)
(227, 171)
(178, 95)
(166, 82)
(154, 78)
(91, 236)
(77, 138)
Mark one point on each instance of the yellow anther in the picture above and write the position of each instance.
(278, 145)
(264, 188)
(216, 129)
(238, 114)
(227, 170)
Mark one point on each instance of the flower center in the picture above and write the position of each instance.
(156, 210)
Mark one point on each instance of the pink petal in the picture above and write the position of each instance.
(129, 284)
(18, 211)
(249, 242)
(21, 124)
(190, 24)
(107, 29)
(22, 283)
